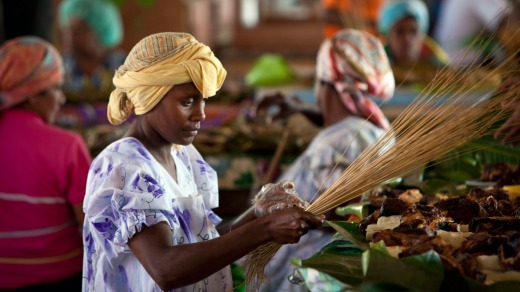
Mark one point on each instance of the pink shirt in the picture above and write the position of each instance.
(43, 173)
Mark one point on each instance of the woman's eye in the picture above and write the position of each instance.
(188, 102)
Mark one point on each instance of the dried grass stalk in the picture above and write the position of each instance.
(255, 263)
(451, 111)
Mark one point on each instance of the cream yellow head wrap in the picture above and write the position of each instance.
(155, 65)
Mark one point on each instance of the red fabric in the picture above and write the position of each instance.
(367, 10)
(39, 161)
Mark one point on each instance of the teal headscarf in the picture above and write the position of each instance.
(394, 10)
(101, 15)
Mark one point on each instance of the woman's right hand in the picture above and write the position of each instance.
(288, 225)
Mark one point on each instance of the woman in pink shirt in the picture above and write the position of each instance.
(43, 173)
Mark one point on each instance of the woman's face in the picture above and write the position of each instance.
(178, 115)
(80, 39)
(48, 102)
(405, 41)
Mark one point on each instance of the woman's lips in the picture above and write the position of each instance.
(191, 132)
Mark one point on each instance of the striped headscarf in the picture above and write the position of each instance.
(28, 65)
(155, 65)
(356, 64)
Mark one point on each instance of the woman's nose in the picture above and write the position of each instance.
(61, 98)
(198, 114)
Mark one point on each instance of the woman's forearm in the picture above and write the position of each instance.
(245, 217)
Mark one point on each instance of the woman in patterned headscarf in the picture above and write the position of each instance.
(91, 31)
(404, 25)
(44, 173)
(351, 66)
(149, 221)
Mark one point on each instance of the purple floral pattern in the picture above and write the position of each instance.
(127, 189)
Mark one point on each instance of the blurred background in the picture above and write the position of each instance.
(267, 46)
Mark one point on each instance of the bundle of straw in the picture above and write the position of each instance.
(441, 119)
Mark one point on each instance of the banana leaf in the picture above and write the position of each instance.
(422, 272)
(358, 209)
(375, 270)
(316, 281)
(350, 231)
(340, 259)
(489, 150)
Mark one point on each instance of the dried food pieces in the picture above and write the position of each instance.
(476, 235)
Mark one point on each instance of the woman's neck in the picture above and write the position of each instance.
(158, 147)
(153, 142)
(335, 112)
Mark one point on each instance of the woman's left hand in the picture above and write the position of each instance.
(273, 197)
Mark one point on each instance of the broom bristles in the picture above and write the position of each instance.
(442, 118)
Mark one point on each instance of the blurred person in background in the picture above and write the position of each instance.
(44, 173)
(91, 31)
(404, 25)
(460, 22)
(351, 66)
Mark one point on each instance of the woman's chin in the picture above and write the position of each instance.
(185, 141)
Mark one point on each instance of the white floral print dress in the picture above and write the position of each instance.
(126, 189)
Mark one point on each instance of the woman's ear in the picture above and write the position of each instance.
(29, 103)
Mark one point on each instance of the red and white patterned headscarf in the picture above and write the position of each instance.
(356, 64)
(28, 65)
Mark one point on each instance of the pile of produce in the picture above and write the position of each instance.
(419, 242)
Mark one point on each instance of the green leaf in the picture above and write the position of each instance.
(350, 231)
(422, 272)
(270, 70)
(504, 286)
(359, 209)
(375, 270)
(340, 259)
(380, 246)
(340, 246)
(239, 278)
(489, 150)
(457, 176)
(380, 287)
(471, 161)
(324, 283)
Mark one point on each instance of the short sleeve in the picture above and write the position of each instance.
(123, 196)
